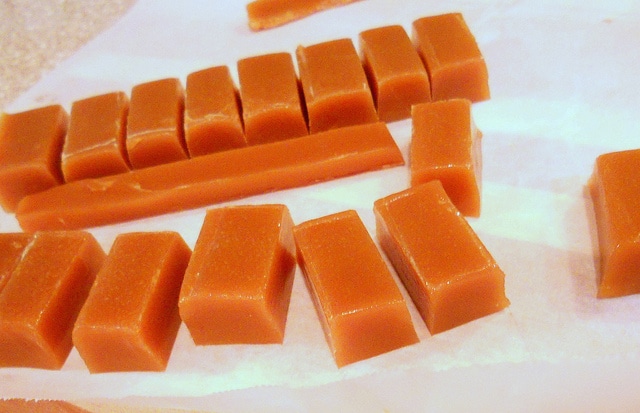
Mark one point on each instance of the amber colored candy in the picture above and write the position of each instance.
(41, 299)
(237, 287)
(130, 319)
(448, 272)
(30, 147)
(270, 96)
(12, 246)
(38, 406)
(446, 145)
(396, 74)
(95, 143)
(359, 304)
(266, 14)
(212, 178)
(155, 132)
(615, 191)
(212, 119)
(335, 85)
(451, 55)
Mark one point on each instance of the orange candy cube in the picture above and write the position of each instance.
(451, 55)
(238, 283)
(30, 147)
(212, 119)
(446, 145)
(360, 306)
(615, 191)
(130, 319)
(155, 133)
(95, 143)
(335, 85)
(41, 300)
(396, 74)
(448, 272)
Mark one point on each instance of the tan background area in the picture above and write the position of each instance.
(36, 35)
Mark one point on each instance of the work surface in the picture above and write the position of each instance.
(564, 79)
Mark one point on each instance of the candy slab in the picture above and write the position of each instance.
(564, 81)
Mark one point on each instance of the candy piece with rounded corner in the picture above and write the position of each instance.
(396, 74)
(41, 300)
(270, 95)
(30, 147)
(212, 120)
(95, 142)
(615, 190)
(446, 145)
(155, 131)
(208, 179)
(335, 85)
(448, 272)
(451, 55)
(130, 319)
(361, 308)
(237, 287)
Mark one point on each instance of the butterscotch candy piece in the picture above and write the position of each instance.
(30, 147)
(615, 190)
(95, 143)
(130, 319)
(446, 145)
(451, 55)
(396, 74)
(335, 85)
(238, 283)
(41, 299)
(155, 130)
(360, 306)
(212, 120)
(448, 272)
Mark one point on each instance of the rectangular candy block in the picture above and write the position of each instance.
(396, 74)
(212, 178)
(30, 147)
(212, 119)
(237, 287)
(130, 319)
(361, 308)
(615, 191)
(335, 85)
(12, 246)
(449, 273)
(266, 14)
(270, 96)
(95, 143)
(451, 55)
(41, 299)
(446, 145)
(155, 133)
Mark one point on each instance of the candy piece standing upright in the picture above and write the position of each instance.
(238, 283)
(155, 130)
(360, 306)
(271, 106)
(446, 145)
(41, 300)
(335, 85)
(130, 319)
(615, 191)
(396, 75)
(451, 55)
(212, 120)
(95, 143)
(30, 147)
(448, 272)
